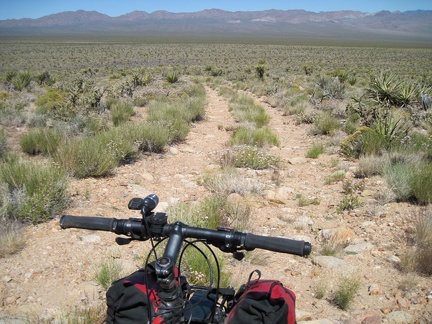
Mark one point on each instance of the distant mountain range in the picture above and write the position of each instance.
(408, 26)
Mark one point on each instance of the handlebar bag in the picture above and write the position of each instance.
(263, 302)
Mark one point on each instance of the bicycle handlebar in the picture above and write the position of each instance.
(225, 239)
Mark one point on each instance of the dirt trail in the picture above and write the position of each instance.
(54, 272)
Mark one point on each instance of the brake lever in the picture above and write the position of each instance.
(238, 255)
(122, 240)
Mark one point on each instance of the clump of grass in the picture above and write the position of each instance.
(417, 259)
(108, 270)
(335, 177)
(41, 141)
(349, 202)
(297, 105)
(80, 315)
(408, 282)
(151, 137)
(331, 247)
(3, 138)
(88, 157)
(177, 115)
(421, 183)
(12, 239)
(201, 270)
(399, 177)
(251, 136)
(346, 290)
(305, 201)
(320, 289)
(246, 156)
(120, 111)
(245, 109)
(231, 181)
(316, 150)
(371, 165)
(325, 124)
(351, 187)
(33, 191)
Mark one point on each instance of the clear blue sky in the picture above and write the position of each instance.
(16, 9)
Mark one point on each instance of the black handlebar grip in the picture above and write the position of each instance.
(277, 244)
(87, 222)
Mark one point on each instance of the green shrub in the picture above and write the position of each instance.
(392, 130)
(399, 179)
(387, 89)
(12, 238)
(371, 165)
(88, 157)
(3, 138)
(259, 137)
(245, 109)
(120, 142)
(422, 183)
(33, 191)
(152, 137)
(108, 271)
(372, 142)
(22, 80)
(315, 151)
(231, 181)
(172, 77)
(306, 201)
(330, 87)
(364, 141)
(349, 202)
(176, 115)
(245, 156)
(41, 141)
(423, 241)
(53, 102)
(352, 123)
(260, 71)
(45, 78)
(326, 124)
(121, 111)
(335, 177)
(347, 288)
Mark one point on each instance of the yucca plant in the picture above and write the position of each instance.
(392, 129)
(22, 80)
(172, 77)
(388, 90)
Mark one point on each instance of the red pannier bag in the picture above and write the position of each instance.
(263, 301)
